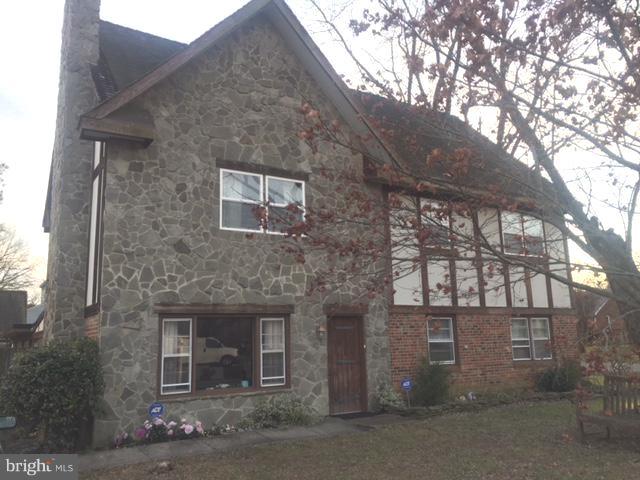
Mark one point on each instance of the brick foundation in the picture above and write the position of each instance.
(483, 349)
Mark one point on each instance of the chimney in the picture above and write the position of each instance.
(71, 172)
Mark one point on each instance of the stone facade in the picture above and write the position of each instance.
(484, 359)
(71, 172)
(162, 242)
(239, 101)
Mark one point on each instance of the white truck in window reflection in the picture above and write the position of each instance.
(212, 350)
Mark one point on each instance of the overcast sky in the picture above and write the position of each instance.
(30, 50)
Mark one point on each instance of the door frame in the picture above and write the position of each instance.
(362, 353)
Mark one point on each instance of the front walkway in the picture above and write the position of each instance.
(329, 427)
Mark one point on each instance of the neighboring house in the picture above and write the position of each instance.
(149, 205)
(20, 326)
(13, 308)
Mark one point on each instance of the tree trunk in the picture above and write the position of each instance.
(623, 277)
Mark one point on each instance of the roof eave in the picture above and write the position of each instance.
(107, 128)
(298, 39)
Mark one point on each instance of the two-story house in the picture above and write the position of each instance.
(163, 153)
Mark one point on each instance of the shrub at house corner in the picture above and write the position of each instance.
(55, 390)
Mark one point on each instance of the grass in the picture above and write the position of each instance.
(517, 442)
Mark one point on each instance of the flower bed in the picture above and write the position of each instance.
(159, 430)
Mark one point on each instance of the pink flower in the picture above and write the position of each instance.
(170, 432)
(158, 422)
(171, 424)
(140, 433)
(188, 429)
(184, 420)
(199, 428)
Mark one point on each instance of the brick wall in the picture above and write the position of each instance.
(483, 349)
(92, 326)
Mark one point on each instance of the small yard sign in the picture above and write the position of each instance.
(156, 410)
(406, 384)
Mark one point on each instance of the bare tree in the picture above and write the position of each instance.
(15, 268)
(557, 83)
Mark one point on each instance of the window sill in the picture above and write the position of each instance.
(533, 363)
(454, 367)
(236, 392)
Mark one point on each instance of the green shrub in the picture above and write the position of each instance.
(55, 390)
(432, 384)
(388, 399)
(276, 411)
(560, 378)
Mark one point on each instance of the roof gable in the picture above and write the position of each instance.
(127, 55)
(298, 40)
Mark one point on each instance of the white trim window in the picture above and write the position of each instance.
(176, 356)
(272, 352)
(242, 194)
(523, 330)
(520, 341)
(441, 340)
(285, 203)
(541, 335)
(94, 259)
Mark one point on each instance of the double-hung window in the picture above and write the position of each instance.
(441, 340)
(176, 355)
(541, 338)
(259, 203)
(240, 200)
(272, 351)
(530, 338)
(94, 258)
(222, 353)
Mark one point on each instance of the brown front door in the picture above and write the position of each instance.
(347, 369)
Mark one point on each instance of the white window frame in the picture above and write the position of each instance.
(176, 355)
(452, 341)
(264, 197)
(528, 339)
(534, 339)
(247, 202)
(94, 253)
(282, 350)
(280, 205)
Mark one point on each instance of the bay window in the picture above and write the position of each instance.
(252, 202)
(223, 353)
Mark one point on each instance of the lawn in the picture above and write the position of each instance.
(517, 442)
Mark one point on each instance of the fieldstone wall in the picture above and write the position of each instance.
(162, 242)
(71, 173)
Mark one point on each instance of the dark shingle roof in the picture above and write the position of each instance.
(415, 132)
(126, 55)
